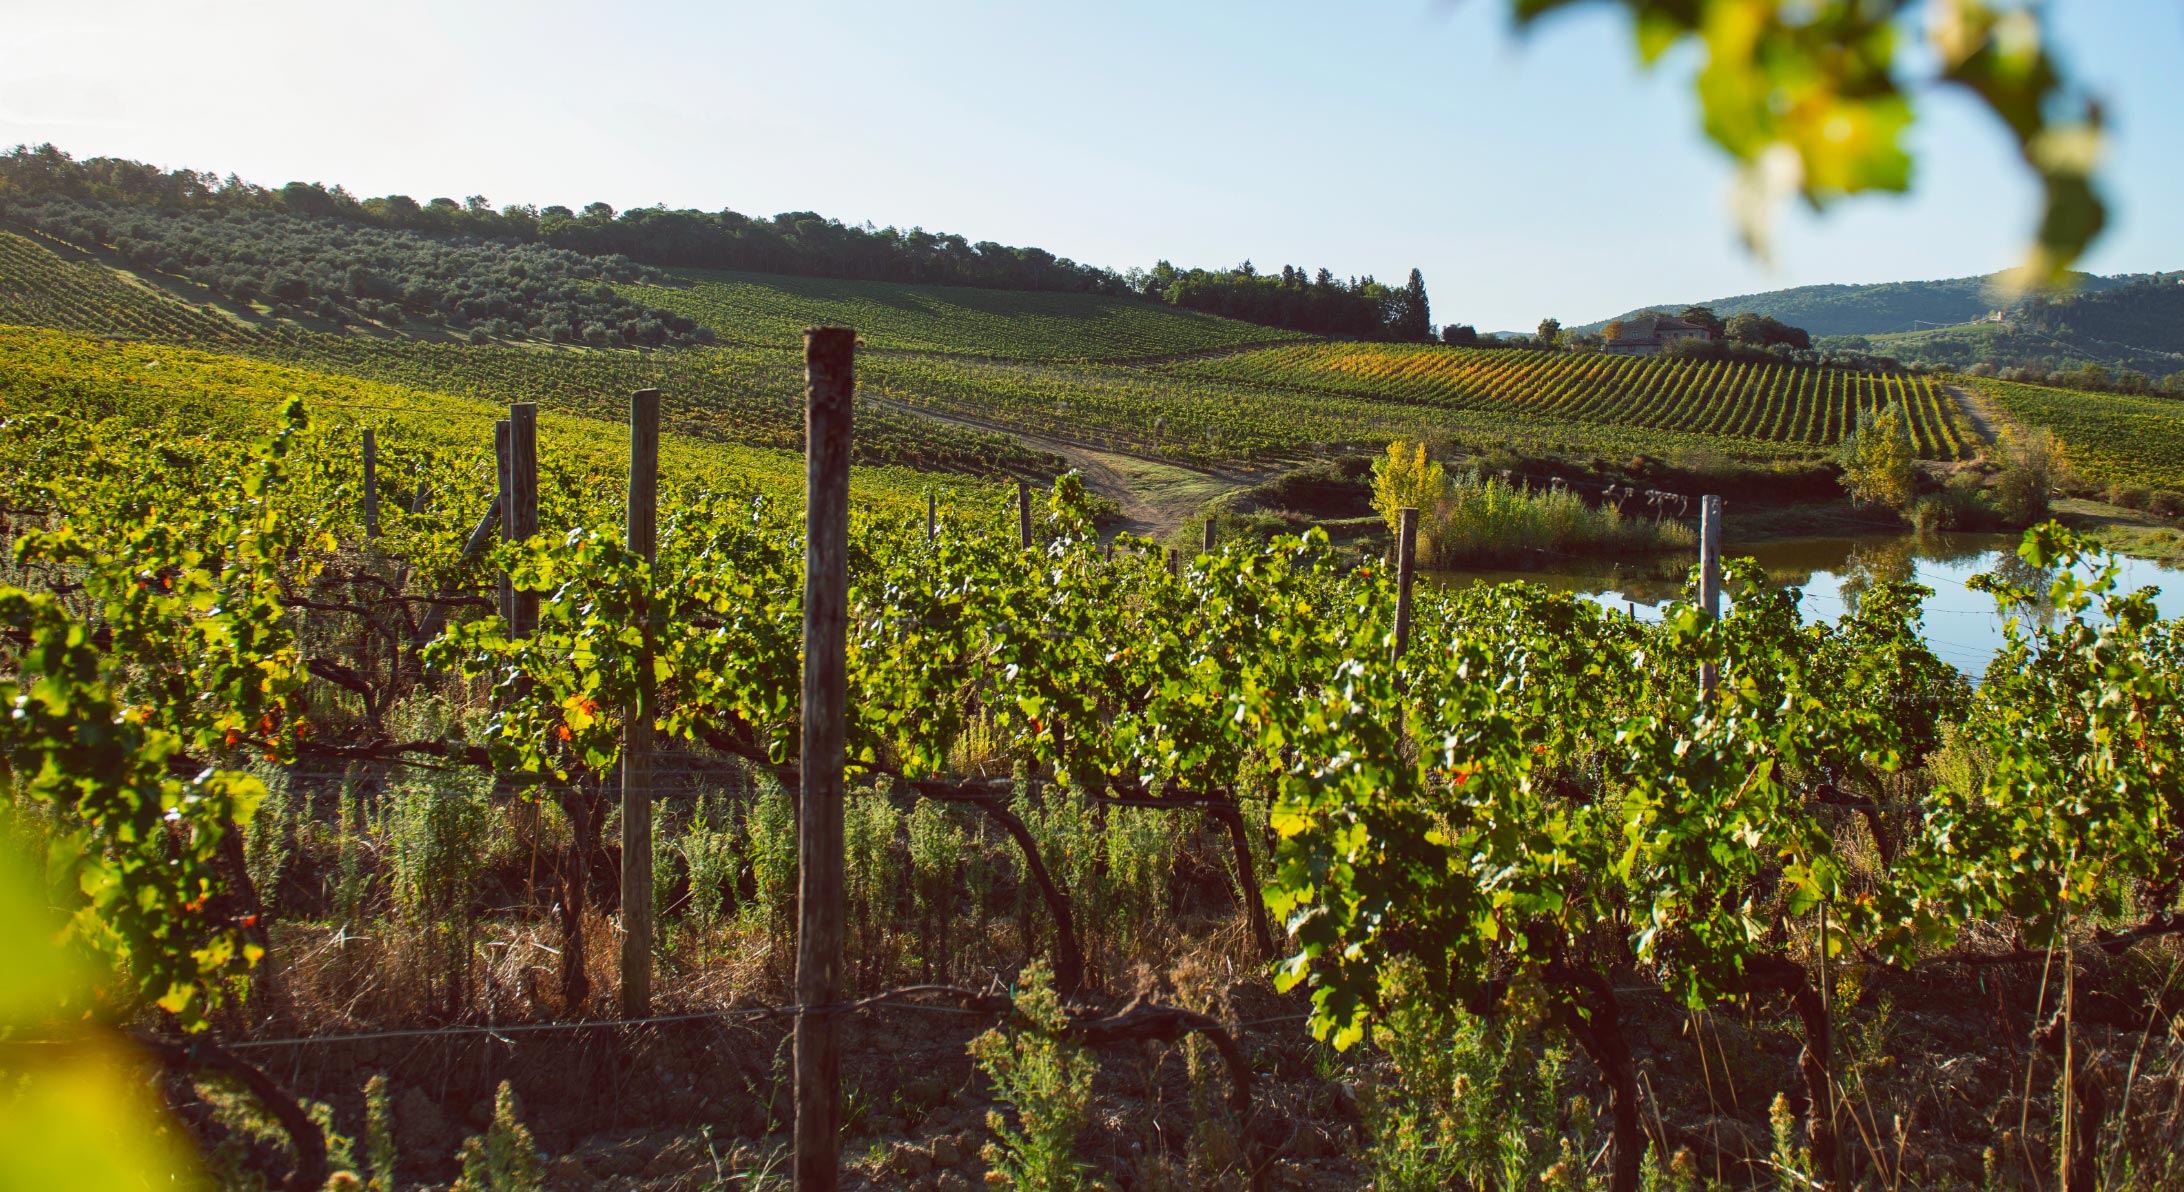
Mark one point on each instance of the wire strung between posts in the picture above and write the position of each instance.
(684, 426)
(879, 1002)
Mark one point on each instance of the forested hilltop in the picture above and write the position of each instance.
(2126, 323)
(341, 272)
(93, 197)
(2128, 337)
(1876, 309)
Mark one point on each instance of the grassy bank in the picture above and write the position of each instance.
(1484, 519)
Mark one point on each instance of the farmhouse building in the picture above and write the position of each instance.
(1648, 334)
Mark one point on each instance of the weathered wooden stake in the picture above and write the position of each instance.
(1023, 514)
(1709, 578)
(829, 383)
(1209, 533)
(642, 518)
(932, 517)
(504, 507)
(519, 513)
(1175, 562)
(371, 484)
(1406, 544)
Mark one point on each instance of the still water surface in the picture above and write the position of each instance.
(1962, 625)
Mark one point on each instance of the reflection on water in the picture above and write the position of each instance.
(1962, 625)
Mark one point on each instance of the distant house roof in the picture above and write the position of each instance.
(1650, 329)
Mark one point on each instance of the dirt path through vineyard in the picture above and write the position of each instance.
(1157, 497)
(1973, 407)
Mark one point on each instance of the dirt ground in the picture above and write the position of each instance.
(1940, 1083)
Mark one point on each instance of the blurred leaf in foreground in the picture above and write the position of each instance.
(76, 1111)
(1812, 98)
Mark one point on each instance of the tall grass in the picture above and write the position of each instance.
(1485, 519)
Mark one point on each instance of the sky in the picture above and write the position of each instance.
(1528, 176)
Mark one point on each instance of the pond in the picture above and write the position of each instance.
(1962, 625)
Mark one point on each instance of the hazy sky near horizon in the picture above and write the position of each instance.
(1527, 176)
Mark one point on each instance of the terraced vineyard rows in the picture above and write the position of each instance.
(1208, 420)
(753, 308)
(2109, 437)
(41, 288)
(1776, 402)
(996, 357)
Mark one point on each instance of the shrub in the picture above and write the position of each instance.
(1405, 478)
(710, 857)
(438, 840)
(769, 852)
(1466, 1103)
(1485, 519)
(1046, 1082)
(269, 841)
(869, 865)
(1140, 845)
(1877, 459)
(936, 854)
(380, 1154)
(504, 1159)
(2032, 465)
(2128, 496)
(1962, 504)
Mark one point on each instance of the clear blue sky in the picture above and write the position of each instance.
(1535, 176)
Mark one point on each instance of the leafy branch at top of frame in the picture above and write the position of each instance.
(1813, 98)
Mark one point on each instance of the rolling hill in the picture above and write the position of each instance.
(953, 373)
(1877, 309)
(988, 382)
(760, 308)
(2137, 327)
(2133, 321)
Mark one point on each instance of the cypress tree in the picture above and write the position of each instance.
(1413, 319)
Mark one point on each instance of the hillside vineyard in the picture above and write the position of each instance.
(1111, 371)
(332, 629)
(1240, 712)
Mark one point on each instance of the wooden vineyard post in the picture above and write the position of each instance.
(505, 508)
(371, 484)
(1709, 579)
(829, 382)
(515, 442)
(1175, 562)
(1023, 514)
(523, 475)
(932, 518)
(1209, 533)
(1406, 543)
(642, 518)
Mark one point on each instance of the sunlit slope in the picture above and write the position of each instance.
(1175, 385)
(165, 389)
(750, 396)
(1209, 420)
(42, 287)
(2109, 437)
(1798, 407)
(746, 396)
(756, 308)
